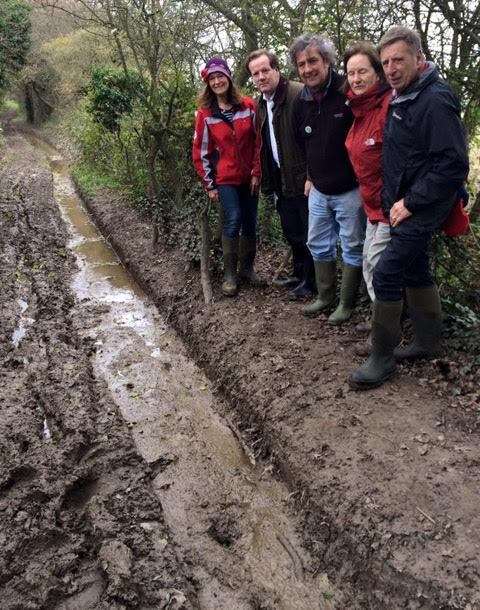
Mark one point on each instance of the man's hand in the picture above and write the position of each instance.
(254, 185)
(307, 187)
(398, 213)
(213, 195)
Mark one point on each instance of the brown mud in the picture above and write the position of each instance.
(383, 487)
(75, 494)
(222, 526)
(387, 482)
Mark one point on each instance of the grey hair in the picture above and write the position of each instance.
(319, 41)
(400, 32)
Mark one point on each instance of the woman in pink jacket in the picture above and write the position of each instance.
(226, 159)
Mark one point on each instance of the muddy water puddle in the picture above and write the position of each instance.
(229, 519)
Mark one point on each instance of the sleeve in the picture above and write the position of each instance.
(446, 166)
(257, 165)
(202, 152)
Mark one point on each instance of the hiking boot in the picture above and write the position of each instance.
(248, 250)
(381, 364)
(230, 258)
(325, 276)
(426, 315)
(351, 279)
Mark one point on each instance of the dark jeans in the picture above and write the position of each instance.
(293, 212)
(239, 210)
(403, 264)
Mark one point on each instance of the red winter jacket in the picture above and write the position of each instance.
(224, 152)
(364, 145)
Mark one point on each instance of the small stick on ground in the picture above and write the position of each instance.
(294, 556)
(205, 256)
(426, 516)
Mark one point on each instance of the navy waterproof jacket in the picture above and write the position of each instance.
(424, 157)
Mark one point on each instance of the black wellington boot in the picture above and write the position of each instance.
(426, 314)
(248, 250)
(381, 364)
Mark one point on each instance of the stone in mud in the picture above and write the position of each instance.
(116, 559)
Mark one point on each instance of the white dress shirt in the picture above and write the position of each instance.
(273, 141)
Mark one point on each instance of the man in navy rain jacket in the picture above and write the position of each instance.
(425, 164)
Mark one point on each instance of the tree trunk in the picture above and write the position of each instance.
(37, 107)
(205, 256)
(153, 191)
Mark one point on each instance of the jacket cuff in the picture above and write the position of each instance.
(408, 203)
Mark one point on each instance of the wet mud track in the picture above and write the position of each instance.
(383, 487)
(123, 481)
(386, 483)
(75, 494)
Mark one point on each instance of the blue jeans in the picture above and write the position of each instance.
(334, 217)
(239, 210)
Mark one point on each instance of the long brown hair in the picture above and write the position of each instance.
(208, 99)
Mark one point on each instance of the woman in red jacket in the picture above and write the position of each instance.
(227, 162)
(369, 97)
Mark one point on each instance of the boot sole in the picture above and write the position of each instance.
(369, 385)
(413, 358)
(314, 314)
(338, 322)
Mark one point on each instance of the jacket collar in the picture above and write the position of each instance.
(428, 76)
(372, 98)
(216, 112)
(281, 91)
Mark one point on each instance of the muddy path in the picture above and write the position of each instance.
(125, 478)
(183, 505)
(75, 494)
(386, 483)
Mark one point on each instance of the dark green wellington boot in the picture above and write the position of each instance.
(381, 363)
(351, 280)
(325, 278)
(426, 314)
(230, 259)
(248, 250)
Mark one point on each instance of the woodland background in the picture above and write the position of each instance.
(117, 81)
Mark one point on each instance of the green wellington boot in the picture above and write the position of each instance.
(230, 258)
(426, 314)
(248, 250)
(351, 280)
(325, 278)
(381, 364)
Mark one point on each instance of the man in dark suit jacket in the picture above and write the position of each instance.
(283, 165)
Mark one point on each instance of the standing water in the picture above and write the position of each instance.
(230, 518)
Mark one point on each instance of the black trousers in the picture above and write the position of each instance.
(403, 264)
(405, 261)
(293, 212)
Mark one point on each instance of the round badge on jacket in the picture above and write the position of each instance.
(308, 129)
